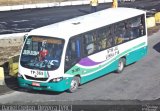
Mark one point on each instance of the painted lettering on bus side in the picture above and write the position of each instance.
(112, 52)
(75, 70)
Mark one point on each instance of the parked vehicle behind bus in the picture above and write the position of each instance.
(64, 55)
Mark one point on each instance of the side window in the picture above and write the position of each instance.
(73, 52)
(135, 24)
(128, 32)
(135, 27)
(105, 39)
(129, 29)
(119, 33)
(89, 43)
(102, 39)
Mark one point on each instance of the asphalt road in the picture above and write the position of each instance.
(26, 20)
(139, 81)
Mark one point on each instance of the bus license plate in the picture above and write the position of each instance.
(35, 84)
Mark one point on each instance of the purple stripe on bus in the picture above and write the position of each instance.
(88, 62)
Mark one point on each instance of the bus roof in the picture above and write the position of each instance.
(78, 25)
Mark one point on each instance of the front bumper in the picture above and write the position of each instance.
(50, 86)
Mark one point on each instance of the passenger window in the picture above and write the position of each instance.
(128, 32)
(104, 38)
(109, 40)
(135, 28)
(119, 33)
(90, 43)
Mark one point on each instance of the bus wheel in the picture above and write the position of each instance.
(121, 65)
(74, 84)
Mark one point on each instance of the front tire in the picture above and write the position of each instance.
(74, 84)
(121, 65)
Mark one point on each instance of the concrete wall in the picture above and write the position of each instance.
(11, 39)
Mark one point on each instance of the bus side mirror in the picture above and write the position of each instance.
(24, 37)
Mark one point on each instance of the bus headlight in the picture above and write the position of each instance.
(57, 79)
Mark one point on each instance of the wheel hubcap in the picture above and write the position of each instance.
(120, 66)
(74, 84)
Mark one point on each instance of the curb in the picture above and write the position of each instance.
(44, 5)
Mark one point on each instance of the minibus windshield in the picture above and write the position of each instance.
(43, 53)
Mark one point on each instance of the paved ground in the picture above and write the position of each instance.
(4, 89)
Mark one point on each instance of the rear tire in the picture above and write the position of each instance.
(74, 84)
(121, 65)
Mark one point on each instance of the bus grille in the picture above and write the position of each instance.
(37, 79)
